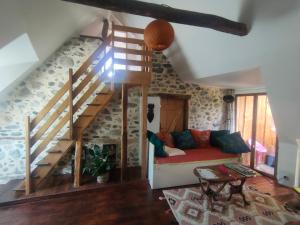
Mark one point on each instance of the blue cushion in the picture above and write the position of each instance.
(233, 143)
(184, 140)
(158, 144)
(215, 134)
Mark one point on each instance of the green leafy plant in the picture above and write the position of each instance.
(99, 162)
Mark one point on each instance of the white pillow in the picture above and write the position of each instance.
(173, 151)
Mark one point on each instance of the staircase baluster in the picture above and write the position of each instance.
(145, 59)
(77, 166)
(71, 103)
(27, 156)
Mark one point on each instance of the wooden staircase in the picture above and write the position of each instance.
(121, 58)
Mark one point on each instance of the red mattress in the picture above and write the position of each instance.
(196, 155)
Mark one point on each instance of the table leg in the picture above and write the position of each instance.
(211, 194)
(238, 189)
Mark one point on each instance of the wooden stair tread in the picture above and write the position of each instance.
(83, 122)
(42, 171)
(93, 104)
(20, 187)
(103, 93)
(54, 151)
(64, 139)
(43, 163)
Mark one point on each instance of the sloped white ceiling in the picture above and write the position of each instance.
(46, 24)
(15, 60)
(200, 52)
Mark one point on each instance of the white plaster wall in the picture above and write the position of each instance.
(297, 182)
(282, 78)
(286, 163)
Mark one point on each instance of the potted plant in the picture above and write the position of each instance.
(99, 163)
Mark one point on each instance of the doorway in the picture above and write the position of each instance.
(255, 122)
(173, 113)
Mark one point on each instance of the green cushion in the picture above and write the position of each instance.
(215, 134)
(233, 143)
(158, 144)
(184, 140)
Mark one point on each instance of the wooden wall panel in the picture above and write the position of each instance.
(172, 114)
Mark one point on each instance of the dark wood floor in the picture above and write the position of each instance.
(61, 185)
(129, 203)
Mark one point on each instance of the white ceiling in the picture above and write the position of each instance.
(31, 30)
(248, 79)
(202, 55)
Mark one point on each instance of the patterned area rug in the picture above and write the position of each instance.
(190, 209)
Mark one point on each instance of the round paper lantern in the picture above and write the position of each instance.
(159, 35)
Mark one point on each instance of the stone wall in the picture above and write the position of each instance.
(207, 110)
(30, 97)
(107, 125)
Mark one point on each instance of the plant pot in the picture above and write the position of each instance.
(103, 178)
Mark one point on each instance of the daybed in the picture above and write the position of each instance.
(177, 170)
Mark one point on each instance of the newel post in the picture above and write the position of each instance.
(78, 153)
(28, 187)
(71, 103)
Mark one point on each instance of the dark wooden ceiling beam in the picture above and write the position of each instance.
(170, 14)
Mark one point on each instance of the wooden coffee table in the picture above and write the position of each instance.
(222, 180)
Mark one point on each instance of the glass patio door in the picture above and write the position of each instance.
(255, 122)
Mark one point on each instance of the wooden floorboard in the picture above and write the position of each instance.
(131, 203)
(60, 185)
